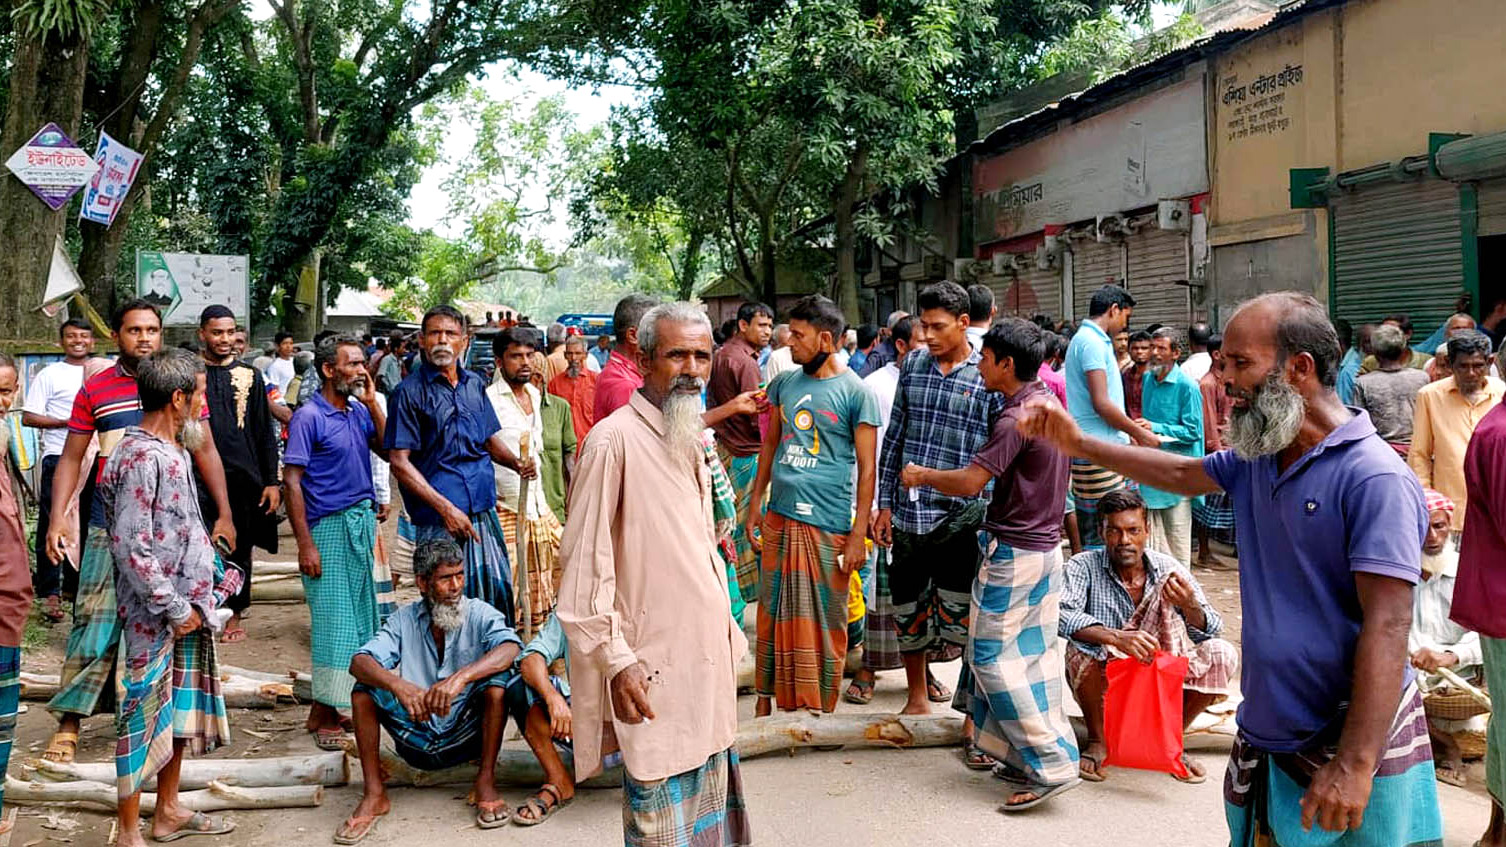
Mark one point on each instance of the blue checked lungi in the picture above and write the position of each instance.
(1215, 511)
(86, 685)
(1263, 791)
(703, 807)
(421, 744)
(1011, 684)
(171, 692)
(742, 472)
(343, 610)
(488, 572)
(10, 704)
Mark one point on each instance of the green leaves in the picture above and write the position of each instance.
(66, 18)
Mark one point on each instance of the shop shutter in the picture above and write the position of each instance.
(1027, 292)
(1396, 248)
(1094, 264)
(1158, 276)
(1492, 200)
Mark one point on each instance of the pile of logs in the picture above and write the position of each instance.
(243, 689)
(207, 785)
(276, 582)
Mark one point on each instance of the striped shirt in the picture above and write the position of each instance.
(938, 421)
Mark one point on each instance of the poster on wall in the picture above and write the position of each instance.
(182, 284)
(52, 166)
(117, 170)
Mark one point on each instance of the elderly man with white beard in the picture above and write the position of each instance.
(1332, 730)
(644, 603)
(436, 677)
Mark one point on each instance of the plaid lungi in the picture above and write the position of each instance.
(1215, 511)
(421, 744)
(880, 637)
(802, 615)
(1495, 734)
(488, 575)
(698, 808)
(544, 534)
(1014, 662)
(171, 692)
(742, 472)
(342, 602)
(86, 687)
(1263, 791)
(10, 704)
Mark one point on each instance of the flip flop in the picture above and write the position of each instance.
(1451, 776)
(233, 636)
(935, 691)
(1192, 778)
(860, 693)
(329, 739)
(52, 610)
(198, 824)
(975, 759)
(500, 814)
(364, 826)
(58, 754)
(1005, 772)
(536, 804)
(1097, 774)
(1042, 794)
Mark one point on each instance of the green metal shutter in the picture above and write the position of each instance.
(1158, 277)
(1397, 248)
(1492, 208)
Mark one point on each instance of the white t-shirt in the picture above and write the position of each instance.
(1196, 365)
(281, 373)
(975, 337)
(514, 423)
(883, 383)
(592, 365)
(51, 395)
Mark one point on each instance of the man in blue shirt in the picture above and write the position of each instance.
(1331, 524)
(539, 702)
(1095, 396)
(331, 505)
(442, 439)
(1172, 405)
(436, 677)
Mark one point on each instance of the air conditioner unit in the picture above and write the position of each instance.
(1109, 228)
(1174, 214)
(1002, 263)
(1046, 258)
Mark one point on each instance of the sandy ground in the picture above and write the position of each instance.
(850, 796)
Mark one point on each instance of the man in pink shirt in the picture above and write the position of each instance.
(619, 378)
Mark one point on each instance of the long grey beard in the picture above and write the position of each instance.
(193, 436)
(446, 616)
(1271, 420)
(682, 421)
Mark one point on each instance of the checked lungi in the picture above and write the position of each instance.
(1495, 734)
(1014, 662)
(424, 747)
(343, 611)
(544, 534)
(1090, 483)
(86, 686)
(703, 807)
(1263, 791)
(802, 615)
(169, 691)
(10, 704)
(488, 573)
(742, 472)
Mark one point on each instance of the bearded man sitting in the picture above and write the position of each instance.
(436, 677)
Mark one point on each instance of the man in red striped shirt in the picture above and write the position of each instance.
(106, 406)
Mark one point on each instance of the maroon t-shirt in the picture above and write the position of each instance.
(734, 370)
(1030, 480)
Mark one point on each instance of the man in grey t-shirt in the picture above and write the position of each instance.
(1389, 392)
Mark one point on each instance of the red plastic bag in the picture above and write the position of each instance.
(1142, 713)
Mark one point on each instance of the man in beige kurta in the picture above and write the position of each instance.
(644, 604)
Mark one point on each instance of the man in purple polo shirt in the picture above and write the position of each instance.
(1331, 526)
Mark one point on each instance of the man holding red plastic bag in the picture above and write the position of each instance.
(1332, 732)
(1128, 601)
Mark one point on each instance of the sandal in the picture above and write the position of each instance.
(859, 692)
(1094, 775)
(1042, 794)
(491, 814)
(329, 739)
(540, 810)
(233, 636)
(52, 610)
(1005, 772)
(1450, 775)
(355, 829)
(1193, 777)
(198, 824)
(62, 748)
(977, 760)
(935, 691)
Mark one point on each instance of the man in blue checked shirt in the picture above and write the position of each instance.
(941, 417)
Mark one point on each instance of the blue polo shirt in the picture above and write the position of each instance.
(445, 428)
(1092, 350)
(1349, 505)
(333, 448)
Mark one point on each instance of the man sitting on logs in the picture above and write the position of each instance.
(540, 703)
(435, 676)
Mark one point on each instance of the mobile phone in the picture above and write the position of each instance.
(222, 546)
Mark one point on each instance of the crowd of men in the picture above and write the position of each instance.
(586, 526)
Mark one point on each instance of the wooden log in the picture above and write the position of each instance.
(331, 768)
(240, 693)
(516, 768)
(278, 591)
(303, 684)
(853, 729)
(270, 568)
(217, 797)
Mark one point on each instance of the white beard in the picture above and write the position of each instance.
(446, 616)
(682, 421)
(193, 436)
(1269, 422)
(1444, 562)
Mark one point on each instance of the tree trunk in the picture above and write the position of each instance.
(46, 84)
(768, 271)
(99, 260)
(847, 196)
(690, 268)
(306, 315)
(216, 797)
(331, 768)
